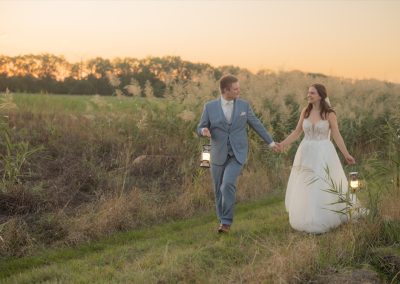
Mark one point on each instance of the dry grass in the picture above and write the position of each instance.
(281, 263)
(15, 237)
(260, 249)
(296, 257)
(86, 173)
(108, 215)
(389, 207)
(253, 184)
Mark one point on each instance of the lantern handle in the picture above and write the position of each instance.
(353, 168)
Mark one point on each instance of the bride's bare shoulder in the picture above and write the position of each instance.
(330, 115)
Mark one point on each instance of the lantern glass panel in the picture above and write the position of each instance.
(205, 157)
(354, 180)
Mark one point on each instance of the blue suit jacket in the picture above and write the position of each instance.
(214, 119)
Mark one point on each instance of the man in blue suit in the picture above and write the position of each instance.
(225, 121)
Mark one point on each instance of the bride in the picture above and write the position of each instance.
(316, 167)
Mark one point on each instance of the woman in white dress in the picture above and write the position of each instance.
(316, 165)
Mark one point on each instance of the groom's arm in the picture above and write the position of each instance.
(258, 127)
(204, 122)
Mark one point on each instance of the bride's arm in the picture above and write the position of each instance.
(295, 133)
(338, 138)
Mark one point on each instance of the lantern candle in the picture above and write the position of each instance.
(354, 181)
(205, 156)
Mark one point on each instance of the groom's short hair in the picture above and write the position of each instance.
(226, 82)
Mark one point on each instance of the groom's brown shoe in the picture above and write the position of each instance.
(224, 228)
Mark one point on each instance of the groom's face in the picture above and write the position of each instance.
(233, 92)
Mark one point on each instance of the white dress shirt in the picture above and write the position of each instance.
(227, 108)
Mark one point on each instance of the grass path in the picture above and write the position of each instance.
(261, 247)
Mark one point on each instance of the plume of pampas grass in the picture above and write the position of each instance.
(7, 101)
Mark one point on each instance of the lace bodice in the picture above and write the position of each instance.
(319, 131)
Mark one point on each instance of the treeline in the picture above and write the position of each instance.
(47, 73)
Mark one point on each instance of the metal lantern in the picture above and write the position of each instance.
(205, 156)
(354, 182)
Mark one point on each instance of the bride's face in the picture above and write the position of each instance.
(312, 96)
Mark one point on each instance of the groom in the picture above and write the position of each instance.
(225, 120)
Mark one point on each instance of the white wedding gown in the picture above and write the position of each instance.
(310, 208)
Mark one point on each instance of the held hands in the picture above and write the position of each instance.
(278, 147)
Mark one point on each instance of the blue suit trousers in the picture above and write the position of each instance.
(225, 180)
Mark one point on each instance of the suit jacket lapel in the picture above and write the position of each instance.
(219, 106)
(221, 111)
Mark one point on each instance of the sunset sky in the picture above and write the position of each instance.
(352, 39)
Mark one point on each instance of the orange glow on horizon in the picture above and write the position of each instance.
(354, 39)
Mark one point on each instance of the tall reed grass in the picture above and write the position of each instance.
(81, 177)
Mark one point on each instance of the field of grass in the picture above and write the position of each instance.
(262, 248)
(111, 186)
(79, 104)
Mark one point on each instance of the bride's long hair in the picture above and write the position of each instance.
(326, 107)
